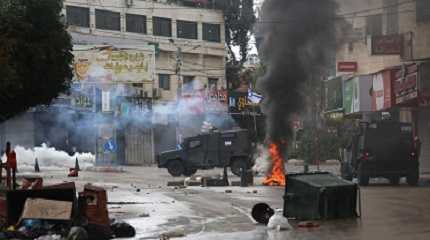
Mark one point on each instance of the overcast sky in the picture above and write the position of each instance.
(253, 50)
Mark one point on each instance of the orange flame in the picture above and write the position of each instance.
(277, 176)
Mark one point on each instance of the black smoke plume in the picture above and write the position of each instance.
(298, 39)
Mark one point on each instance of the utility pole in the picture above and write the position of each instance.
(179, 91)
(178, 71)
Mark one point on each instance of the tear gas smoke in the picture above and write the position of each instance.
(261, 156)
(298, 37)
(50, 157)
(188, 113)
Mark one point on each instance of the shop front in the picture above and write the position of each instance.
(411, 89)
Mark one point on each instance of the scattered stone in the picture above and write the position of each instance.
(144, 215)
(138, 190)
(255, 191)
(214, 182)
(228, 191)
(177, 233)
(175, 183)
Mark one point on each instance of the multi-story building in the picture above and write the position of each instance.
(189, 41)
(384, 33)
(393, 37)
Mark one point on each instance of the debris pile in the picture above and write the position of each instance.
(58, 212)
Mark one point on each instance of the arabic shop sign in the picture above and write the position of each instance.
(113, 66)
(406, 83)
(386, 45)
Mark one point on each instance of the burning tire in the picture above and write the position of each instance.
(175, 168)
(238, 164)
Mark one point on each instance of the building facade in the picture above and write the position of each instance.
(389, 40)
(189, 41)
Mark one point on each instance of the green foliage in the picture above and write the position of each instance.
(239, 21)
(35, 54)
(322, 144)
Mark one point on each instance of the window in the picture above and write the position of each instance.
(162, 26)
(164, 81)
(78, 16)
(108, 20)
(187, 30)
(135, 23)
(195, 144)
(213, 83)
(211, 32)
(423, 10)
(392, 16)
(188, 83)
(374, 25)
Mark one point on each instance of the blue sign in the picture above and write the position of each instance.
(110, 146)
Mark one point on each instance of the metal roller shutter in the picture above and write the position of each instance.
(424, 135)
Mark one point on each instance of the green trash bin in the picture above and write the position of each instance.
(320, 195)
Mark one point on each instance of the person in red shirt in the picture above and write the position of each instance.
(10, 166)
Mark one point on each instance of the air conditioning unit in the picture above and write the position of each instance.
(157, 93)
(128, 3)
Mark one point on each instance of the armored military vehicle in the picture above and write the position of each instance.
(382, 149)
(209, 150)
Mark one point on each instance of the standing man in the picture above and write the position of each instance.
(10, 167)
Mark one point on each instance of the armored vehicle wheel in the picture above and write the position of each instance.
(394, 180)
(189, 172)
(175, 168)
(413, 177)
(363, 178)
(237, 164)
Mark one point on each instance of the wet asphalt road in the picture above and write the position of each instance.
(389, 212)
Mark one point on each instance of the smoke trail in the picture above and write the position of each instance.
(298, 36)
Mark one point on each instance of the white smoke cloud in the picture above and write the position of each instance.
(51, 158)
(262, 160)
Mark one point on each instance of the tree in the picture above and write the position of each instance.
(35, 54)
(239, 22)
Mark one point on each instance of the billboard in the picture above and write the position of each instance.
(356, 94)
(108, 65)
(406, 83)
(333, 93)
(347, 66)
(386, 45)
(382, 94)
